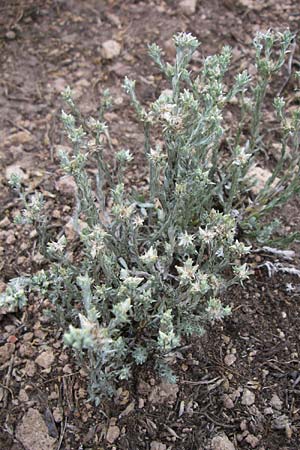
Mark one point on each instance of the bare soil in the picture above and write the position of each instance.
(243, 378)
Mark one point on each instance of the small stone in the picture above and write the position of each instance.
(23, 397)
(221, 443)
(143, 388)
(45, 359)
(14, 169)
(260, 175)
(248, 397)
(67, 369)
(228, 403)
(141, 403)
(27, 337)
(70, 230)
(30, 368)
(32, 432)
(268, 411)
(164, 393)
(66, 185)
(243, 425)
(21, 260)
(280, 423)
(128, 410)
(230, 359)
(59, 85)
(11, 239)
(157, 446)
(110, 49)
(113, 19)
(5, 222)
(252, 440)
(112, 434)
(275, 402)
(120, 69)
(57, 415)
(6, 352)
(21, 137)
(38, 258)
(188, 7)
(10, 35)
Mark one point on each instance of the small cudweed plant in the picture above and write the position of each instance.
(153, 267)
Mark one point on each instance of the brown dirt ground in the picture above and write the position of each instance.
(46, 45)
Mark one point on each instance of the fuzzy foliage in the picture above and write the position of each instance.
(153, 267)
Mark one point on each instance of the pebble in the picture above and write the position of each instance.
(275, 402)
(164, 393)
(221, 443)
(112, 434)
(30, 368)
(6, 352)
(66, 185)
(45, 359)
(11, 239)
(23, 397)
(230, 359)
(268, 411)
(141, 403)
(5, 222)
(32, 432)
(252, 440)
(248, 397)
(110, 49)
(157, 446)
(228, 402)
(188, 7)
(10, 35)
(14, 169)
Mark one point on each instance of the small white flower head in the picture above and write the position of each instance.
(124, 156)
(138, 221)
(215, 310)
(150, 257)
(206, 235)
(185, 240)
(187, 272)
(156, 155)
(130, 281)
(128, 85)
(239, 248)
(241, 272)
(94, 240)
(121, 309)
(58, 246)
(201, 284)
(97, 126)
(180, 188)
(123, 212)
(84, 281)
(166, 335)
(220, 252)
(79, 339)
(241, 156)
(186, 40)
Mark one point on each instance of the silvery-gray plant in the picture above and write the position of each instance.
(153, 267)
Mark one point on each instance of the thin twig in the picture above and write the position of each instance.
(196, 383)
(7, 381)
(62, 433)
